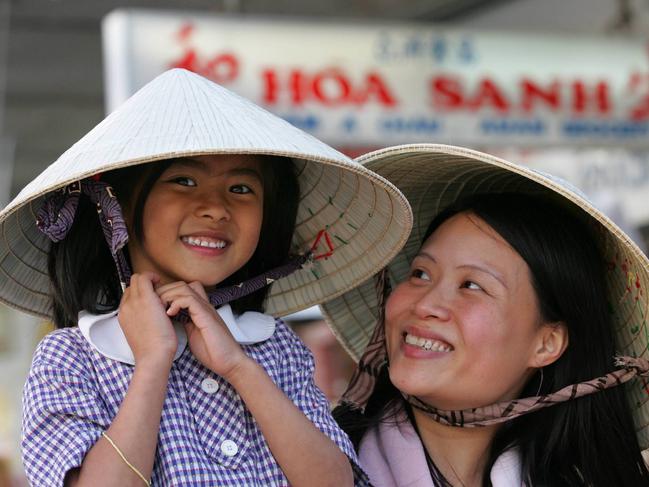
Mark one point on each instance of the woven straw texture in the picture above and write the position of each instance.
(180, 114)
(434, 176)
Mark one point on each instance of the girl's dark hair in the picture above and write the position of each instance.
(587, 441)
(82, 272)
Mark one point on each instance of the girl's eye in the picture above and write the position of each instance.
(420, 274)
(241, 189)
(471, 285)
(184, 181)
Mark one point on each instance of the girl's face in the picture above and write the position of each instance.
(201, 220)
(464, 329)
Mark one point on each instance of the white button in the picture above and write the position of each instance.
(229, 448)
(210, 386)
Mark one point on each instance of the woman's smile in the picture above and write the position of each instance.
(468, 312)
(420, 343)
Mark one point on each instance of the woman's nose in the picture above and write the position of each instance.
(432, 303)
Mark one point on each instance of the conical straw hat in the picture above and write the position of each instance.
(434, 177)
(181, 114)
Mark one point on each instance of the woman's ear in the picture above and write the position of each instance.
(552, 340)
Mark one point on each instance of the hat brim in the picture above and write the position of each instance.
(367, 218)
(182, 114)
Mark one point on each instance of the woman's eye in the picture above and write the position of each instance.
(471, 285)
(420, 274)
(184, 181)
(241, 189)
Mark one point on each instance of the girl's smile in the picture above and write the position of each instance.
(204, 242)
(202, 219)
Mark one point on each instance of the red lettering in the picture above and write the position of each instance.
(375, 86)
(531, 92)
(330, 87)
(188, 61)
(640, 111)
(185, 31)
(338, 91)
(270, 86)
(447, 92)
(582, 100)
(298, 87)
(222, 68)
(488, 94)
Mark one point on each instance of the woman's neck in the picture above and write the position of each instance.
(460, 454)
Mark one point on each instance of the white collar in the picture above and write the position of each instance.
(105, 335)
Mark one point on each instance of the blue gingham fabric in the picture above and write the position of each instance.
(72, 394)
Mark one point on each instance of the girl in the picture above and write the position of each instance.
(155, 385)
(493, 359)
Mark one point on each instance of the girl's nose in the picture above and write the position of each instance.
(432, 304)
(212, 206)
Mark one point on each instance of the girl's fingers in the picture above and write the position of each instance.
(175, 294)
(143, 282)
(180, 302)
(195, 286)
(173, 309)
(170, 286)
(150, 276)
(198, 289)
(194, 290)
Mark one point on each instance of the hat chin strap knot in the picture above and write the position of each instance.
(637, 364)
(56, 216)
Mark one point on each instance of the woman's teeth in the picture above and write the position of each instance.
(427, 343)
(211, 244)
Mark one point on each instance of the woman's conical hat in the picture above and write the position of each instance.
(433, 177)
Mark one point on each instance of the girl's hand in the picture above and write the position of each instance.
(209, 338)
(143, 320)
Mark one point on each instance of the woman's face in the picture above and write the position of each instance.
(463, 330)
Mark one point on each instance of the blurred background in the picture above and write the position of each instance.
(559, 85)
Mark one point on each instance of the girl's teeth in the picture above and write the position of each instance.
(219, 244)
(427, 344)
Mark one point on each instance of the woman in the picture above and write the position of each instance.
(492, 362)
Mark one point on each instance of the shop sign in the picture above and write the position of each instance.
(380, 84)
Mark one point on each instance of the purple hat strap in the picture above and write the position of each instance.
(56, 215)
(228, 294)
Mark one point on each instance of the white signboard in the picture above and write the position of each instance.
(376, 85)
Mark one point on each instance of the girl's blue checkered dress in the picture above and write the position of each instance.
(209, 438)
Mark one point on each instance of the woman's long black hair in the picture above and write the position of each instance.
(588, 441)
(82, 272)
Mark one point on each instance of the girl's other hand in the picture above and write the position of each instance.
(143, 320)
(209, 338)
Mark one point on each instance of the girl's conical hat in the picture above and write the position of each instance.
(434, 177)
(181, 114)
